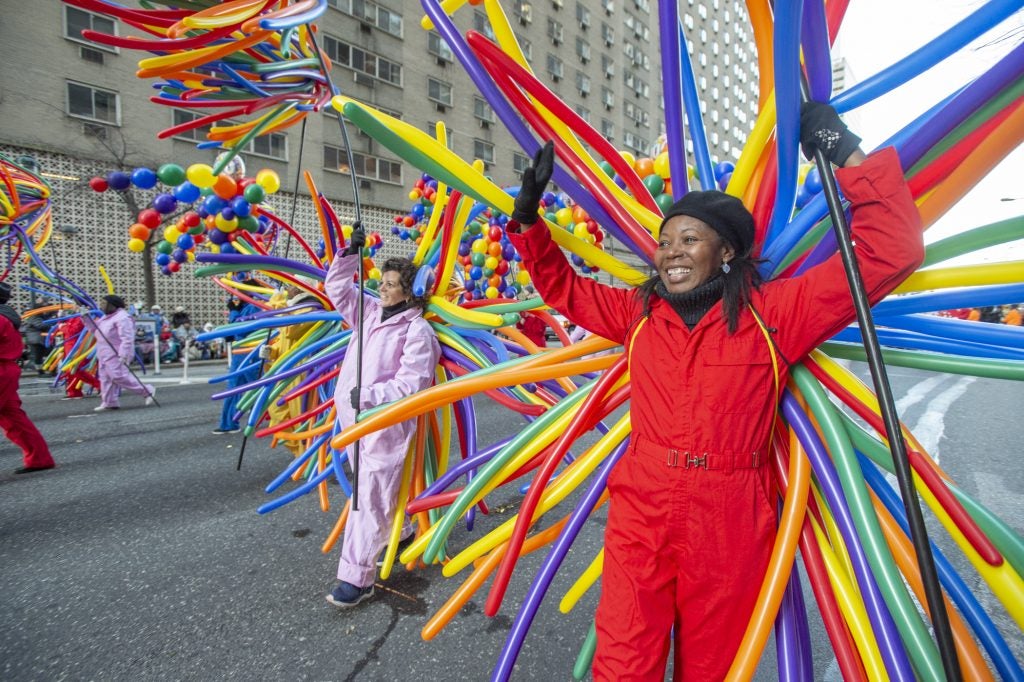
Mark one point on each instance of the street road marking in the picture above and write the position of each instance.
(931, 426)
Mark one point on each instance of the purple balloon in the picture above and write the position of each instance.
(164, 203)
(118, 180)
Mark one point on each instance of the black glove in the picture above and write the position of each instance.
(356, 241)
(820, 128)
(354, 398)
(535, 180)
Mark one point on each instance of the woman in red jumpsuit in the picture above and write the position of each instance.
(692, 515)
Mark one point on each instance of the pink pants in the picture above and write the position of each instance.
(113, 377)
(367, 530)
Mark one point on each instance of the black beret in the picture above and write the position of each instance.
(115, 301)
(722, 212)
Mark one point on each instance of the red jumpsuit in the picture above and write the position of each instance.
(15, 423)
(692, 515)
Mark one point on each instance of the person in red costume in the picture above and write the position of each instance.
(70, 330)
(15, 423)
(692, 514)
(534, 329)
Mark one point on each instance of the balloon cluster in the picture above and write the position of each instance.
(227, 208)
(374, 243)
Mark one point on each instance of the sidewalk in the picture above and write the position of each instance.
(199, 372)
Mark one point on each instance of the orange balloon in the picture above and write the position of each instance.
(578, 214)
(139, 231)
(494, 249)
(225, 187)
(644, 167)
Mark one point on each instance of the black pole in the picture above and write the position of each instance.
(897, 446)
(362, 283)
(245, 436)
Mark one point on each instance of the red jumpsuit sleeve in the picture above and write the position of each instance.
(339, 289)
(887, 233)
(602, 309)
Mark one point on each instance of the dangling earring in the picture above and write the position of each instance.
(726, 267)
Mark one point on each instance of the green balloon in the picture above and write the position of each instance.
(654, 184)
(664, 202)
(477, 258)
(607, 168)
(171, 174)
(164, 246)
(254, 194)
(249, 223)
(414, 234)
(371, 284)
(198, 229)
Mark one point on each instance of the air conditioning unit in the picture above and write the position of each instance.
(441, 61)
(365, 184)
(440, 108)
(94, 130)
(365, 27)
(90, 55)
(364, 79)
(484, 124)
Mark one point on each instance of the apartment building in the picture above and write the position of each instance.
(76, 109)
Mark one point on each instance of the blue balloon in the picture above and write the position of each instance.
(721, 169)
(548, 199)
(241, 207)
(416, 211)
(813, 181)
(214, 204)
(144, 178)
(476, 272)
(226, 213)
(186, 242)
(227, 248)
(186, 192)
(162, 259)
(179, 256)
(217, 237)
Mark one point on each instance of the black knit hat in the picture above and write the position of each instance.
(722, 212)
(5, 292)
(115, 301)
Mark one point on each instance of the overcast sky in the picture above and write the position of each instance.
(878, 33)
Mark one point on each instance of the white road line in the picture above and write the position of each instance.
(919, 392)
(930, 427)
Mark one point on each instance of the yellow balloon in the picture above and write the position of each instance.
(491, 262)
(225, 225)
(136, 245)
(563, 216)
(523, 277)
(268, 180)
(214, 248)
(661, 165)
(628, 158)
(346, 231)
(581, 231)
(492, 292)
(191, 256)
(171, 234)
(374, 273)
(479, 246)
(201, 175)
(802, 172)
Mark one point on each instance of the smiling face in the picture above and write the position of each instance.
(689, 253)
(390, 289)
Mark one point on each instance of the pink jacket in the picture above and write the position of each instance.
(399, 357)
(116, 338)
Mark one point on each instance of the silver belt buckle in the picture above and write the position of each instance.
(696, 462)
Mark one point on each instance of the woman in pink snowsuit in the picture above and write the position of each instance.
(400, 352)
(115, 348)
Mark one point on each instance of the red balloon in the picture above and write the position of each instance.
(494, 232)
(150, 218)
(99, 185)
(174, 266)
(408, 221)
(191, 219)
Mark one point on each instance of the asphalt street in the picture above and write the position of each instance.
(142, 556)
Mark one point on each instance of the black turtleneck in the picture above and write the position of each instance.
(694, 304)
(388, 311)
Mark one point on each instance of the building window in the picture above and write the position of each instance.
(484, 151)
(607, 34)
(555, 67)
(609, 6)
(481, 25)
(371, 13)
(77, 20)
(523, 11)
(273, 146)
(482, 110)
(607, 129)
(520, 162)
(582, 112)
(582, 83)
(366, 165)
(94, 104)
(555, 31)
(439, 91)
(608, 66)
(527, 47)
(582, 49)
(582, 15)
(607, 98)
(437, 46)
(362, 61)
